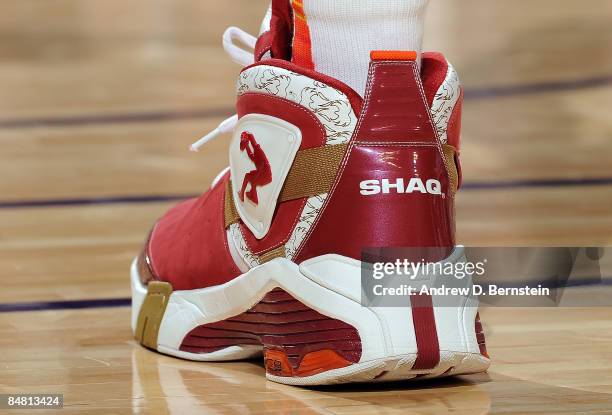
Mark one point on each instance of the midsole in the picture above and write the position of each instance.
(289, 330)
(330, 285)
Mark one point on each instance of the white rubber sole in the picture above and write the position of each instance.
(330, 285)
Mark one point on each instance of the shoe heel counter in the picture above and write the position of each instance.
(426, 326)
(396, 185)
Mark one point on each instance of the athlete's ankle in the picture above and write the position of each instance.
(335, 37)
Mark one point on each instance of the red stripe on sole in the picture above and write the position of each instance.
(428, 348)
(480, 337)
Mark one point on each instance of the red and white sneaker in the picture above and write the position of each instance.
(267, 260)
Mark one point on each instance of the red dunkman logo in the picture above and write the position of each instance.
(262, 175)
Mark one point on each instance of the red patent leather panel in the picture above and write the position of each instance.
(351, 221)
(188, 246)
(313, 132)
(395, 106)
(396, 140)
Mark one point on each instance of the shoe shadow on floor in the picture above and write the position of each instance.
(184, 387)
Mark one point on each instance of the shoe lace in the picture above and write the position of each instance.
(233, 38)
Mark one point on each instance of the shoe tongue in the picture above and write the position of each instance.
(281, 29)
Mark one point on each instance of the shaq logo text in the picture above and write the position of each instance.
(402, 186)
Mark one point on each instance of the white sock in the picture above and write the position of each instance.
(335, 37)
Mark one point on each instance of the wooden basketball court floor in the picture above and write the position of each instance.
(99, 100)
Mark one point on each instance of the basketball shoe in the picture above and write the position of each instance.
(268, 260)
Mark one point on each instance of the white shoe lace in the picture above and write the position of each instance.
(239, 55)
(243, 57)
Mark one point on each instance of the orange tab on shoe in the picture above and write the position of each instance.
(393, 55)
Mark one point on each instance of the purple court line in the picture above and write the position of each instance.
(126, 302)
(165, 116)
(124, 118)
(84, 201)
(65, 305)
(517, 184)
(115, 200)
(537, 88)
